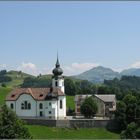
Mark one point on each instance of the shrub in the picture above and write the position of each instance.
(89, 107)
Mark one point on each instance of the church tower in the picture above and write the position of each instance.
(58, 79)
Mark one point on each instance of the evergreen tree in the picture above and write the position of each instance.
(10, 126)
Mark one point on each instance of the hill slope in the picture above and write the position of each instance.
(131, 72)
(17, 78)
(98, 74)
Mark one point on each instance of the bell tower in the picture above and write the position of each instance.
(58, 79)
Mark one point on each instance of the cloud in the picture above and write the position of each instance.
(32, 69)
(136, 65)
(2, 66)
(77, 68)
(29, 68)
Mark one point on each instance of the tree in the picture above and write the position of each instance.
(89, 107)
(3, 85)
(130, 132)
(4, 78)
(10, 126)
(3, 72)
(120, 115)
(70, 87)
(131, 107)
(86, 87)
(104, 90)
(36, 82)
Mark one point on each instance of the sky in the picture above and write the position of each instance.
(85, 34)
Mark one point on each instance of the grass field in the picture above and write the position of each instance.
(43, 132)
(17, 79)
(70, 102)
(3, 93)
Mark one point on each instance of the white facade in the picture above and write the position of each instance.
(58, 83)
(48, 109)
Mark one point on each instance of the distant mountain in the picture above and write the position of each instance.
(98, 74)
(131, 72)
(95, 75)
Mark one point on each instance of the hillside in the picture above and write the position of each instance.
(43, 132)
(95, 75)
(131, 72)
(98, 74)
(3, 94)
(17, 78)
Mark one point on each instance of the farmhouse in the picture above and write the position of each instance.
(106, 104)
(49, 103)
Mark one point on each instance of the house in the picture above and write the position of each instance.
(49, 103)
(106, 104)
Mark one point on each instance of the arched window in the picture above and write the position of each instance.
(12, 105)
(29, 106)
(22, 106)
(25, 105)
(61, 105)
(56, 83)
(40, 106)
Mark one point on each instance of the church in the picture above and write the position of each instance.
(48, 103)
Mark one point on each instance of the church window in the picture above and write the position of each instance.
(29, 106)
(41, 113)
(49, 103)
(40, 106)
(22, 106)
(50, 112)
(12, 105)
(56, 83)
(25, 105)
(61, 104)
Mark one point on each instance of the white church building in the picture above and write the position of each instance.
(49, 103)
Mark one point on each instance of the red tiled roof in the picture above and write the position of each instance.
(36, 93)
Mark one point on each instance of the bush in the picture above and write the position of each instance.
(130, 132)
(3, 85)
(10, 126)
(138, 133)
(89, 107)
(70, 112)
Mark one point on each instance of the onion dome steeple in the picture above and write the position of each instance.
(57, 71)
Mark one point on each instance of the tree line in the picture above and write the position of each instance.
(4, 77)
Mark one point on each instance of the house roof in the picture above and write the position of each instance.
(106, 97)
(36, 93)
(81, 97)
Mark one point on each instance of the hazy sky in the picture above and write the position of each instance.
(86, 34)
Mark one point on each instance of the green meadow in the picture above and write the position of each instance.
(44, 132)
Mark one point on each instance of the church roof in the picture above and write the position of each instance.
(37, 93)
(57, 71)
